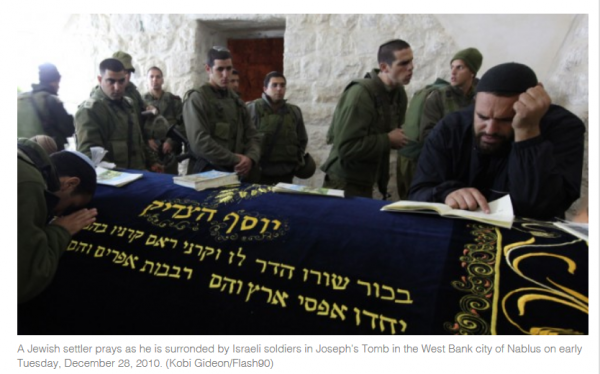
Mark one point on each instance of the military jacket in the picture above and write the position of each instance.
(283, 136)
(170, 107)
(363, 117)
(41, 112)
(113, 125)
(218, 125)
(132, 92)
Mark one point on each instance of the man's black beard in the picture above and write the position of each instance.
(493, 149)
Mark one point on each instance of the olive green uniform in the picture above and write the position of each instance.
(40, 244)
(218, 126)
(113, 125)
(367, 111)
(438, 103)
(41, 112)
(139, 106)
(283, 139)
(170, 107)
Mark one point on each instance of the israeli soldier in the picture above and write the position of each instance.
(366, 124)
(108, 119)
(167, 112)
(283, 135)
(429, 105)
(41, 112)
(234, 82)
(131, 90)
(218, 125)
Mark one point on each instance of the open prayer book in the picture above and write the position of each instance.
(501, 211)
(207, 179)
(115, 178)
(298, 189)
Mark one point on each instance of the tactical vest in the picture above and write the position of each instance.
(165, 106)
(279, 132)
(226, 117)
(124, 140)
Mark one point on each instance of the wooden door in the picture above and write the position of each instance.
(255, 58)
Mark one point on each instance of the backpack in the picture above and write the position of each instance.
(412, 123)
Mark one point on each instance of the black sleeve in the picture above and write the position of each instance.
(444, 162)
(545, 172)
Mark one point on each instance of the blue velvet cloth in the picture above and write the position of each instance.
(165, 259)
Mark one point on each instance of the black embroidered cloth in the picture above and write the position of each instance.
(165, 259)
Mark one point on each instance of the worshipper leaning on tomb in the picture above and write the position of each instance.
(511, 141)
(52, 191)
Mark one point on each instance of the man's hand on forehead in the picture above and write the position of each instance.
(529, 108)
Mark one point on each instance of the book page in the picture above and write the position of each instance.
(295, 188)
(501, 213)
(115, 178)
(417, 206)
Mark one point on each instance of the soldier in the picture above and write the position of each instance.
(40, 111)
(131, 90)
(168, 112)
(217, 123)
(366, 124)
(283, 135)
(234, 82)
(108, 119)
(433, 103)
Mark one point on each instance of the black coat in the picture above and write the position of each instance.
(542, 174)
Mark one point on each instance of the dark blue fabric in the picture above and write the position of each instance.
(100, 287)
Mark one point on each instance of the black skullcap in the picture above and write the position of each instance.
(510, 77)
(48, 73)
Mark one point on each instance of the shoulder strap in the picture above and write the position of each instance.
(295, 113)
(189, 92)
(275, 134)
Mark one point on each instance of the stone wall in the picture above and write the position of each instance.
(322, 54)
